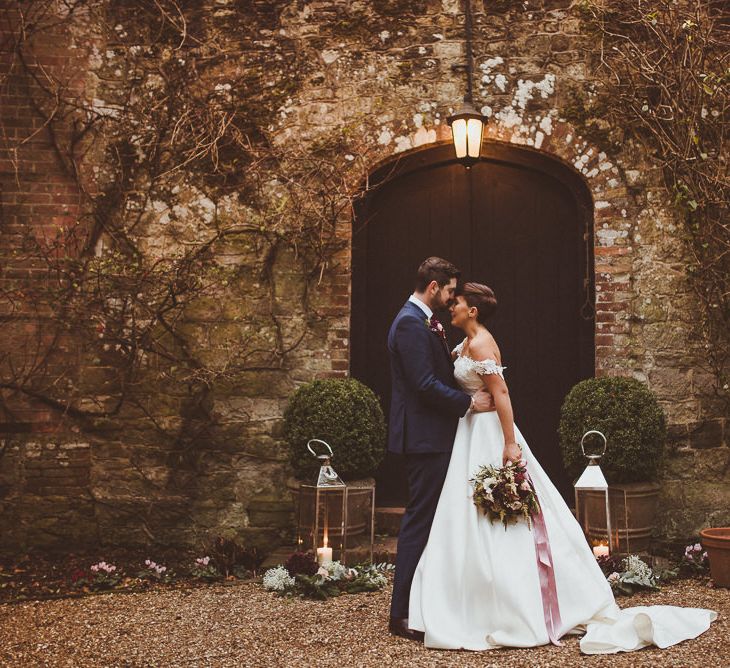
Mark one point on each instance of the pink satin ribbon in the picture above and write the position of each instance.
(548, 589)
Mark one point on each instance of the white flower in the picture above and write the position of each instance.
(698, 547)
(278, 579)
(614, 577)
(336, 570)
(639, 571)
(378, 579)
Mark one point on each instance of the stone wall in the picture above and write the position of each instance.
(378, 78)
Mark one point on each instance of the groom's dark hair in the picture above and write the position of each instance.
(435, 269)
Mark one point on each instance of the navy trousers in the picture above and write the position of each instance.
(426, 474)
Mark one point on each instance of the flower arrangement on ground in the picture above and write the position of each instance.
(635, 575)
(331, 579)
(694, 561)
(205, 569)
(99, 576)
(155, 571)
(506, 494)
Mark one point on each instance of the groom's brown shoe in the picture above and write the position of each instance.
(399, 627)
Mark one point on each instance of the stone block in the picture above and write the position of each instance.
(678, 435)
(706, 434)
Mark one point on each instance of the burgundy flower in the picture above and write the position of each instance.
(436, 327)
(77, 575)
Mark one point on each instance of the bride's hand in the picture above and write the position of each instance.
(512, 452)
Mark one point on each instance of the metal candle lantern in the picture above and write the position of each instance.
(593, 504)
(331, 511)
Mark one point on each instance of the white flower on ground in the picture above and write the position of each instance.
(614, 577)
(639, 571)
(278, 579)
(336, 570)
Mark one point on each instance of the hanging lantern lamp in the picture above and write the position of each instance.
(467, 124)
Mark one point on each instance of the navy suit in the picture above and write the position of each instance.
(425, 408)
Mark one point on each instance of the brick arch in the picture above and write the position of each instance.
(609, 200)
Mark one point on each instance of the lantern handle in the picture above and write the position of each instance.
(318, 440)
(588, 433)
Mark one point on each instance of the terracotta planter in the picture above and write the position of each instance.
(717, 543)
(633, 509)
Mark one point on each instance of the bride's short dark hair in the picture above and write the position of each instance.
(479, 296)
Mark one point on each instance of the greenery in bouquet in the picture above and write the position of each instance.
(329, 580)
(505, 494)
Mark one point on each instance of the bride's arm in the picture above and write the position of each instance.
(497, 387)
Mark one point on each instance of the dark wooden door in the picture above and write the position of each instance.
(517, 222)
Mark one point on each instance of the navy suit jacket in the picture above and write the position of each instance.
(425, 404)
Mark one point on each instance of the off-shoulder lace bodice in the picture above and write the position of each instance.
(467, 371)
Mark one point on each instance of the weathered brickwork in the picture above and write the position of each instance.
(383, 72)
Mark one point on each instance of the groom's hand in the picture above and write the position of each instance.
(483, 402)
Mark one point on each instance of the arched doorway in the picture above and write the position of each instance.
(519, 221)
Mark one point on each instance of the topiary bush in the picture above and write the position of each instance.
(344, 413)
(628, 413)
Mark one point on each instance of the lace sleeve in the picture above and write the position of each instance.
(487, 367)
(458, 348)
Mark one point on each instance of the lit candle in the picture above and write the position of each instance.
(324, 555)
(600, 551)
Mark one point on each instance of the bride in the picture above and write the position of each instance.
(477, 585)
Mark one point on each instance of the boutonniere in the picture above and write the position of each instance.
(436, 327)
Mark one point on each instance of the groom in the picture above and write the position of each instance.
(425, 408)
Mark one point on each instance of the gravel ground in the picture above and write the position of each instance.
(242, 625)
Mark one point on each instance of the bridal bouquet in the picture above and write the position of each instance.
(505, 494)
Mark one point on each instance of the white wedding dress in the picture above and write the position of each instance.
(477, 585)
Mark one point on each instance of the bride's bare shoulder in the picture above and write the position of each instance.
(484, 347)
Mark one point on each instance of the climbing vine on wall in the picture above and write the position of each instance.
(189, 209)
(667, 67)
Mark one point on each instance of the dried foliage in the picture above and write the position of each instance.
(190, 211)
(668, 78)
